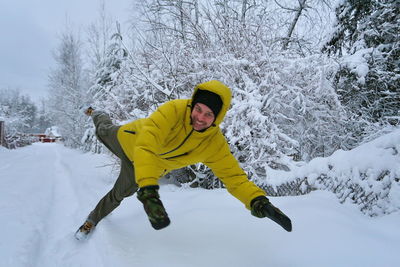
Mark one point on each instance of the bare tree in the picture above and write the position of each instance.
(298, 11)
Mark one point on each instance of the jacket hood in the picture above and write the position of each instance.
(224, 93)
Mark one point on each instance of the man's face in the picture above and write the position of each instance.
(202, 117)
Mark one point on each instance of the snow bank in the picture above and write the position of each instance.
(367, 175)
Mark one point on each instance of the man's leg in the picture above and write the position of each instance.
(124, 186)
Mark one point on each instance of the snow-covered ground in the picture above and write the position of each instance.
(46, 191)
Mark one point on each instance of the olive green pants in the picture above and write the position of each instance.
(125, 184)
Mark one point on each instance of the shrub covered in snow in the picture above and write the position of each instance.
(368, 176)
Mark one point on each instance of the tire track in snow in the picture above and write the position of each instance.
(61, 222)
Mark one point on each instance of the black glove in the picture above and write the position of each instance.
(261, 208)
(153, 206)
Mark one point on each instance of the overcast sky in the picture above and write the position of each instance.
(29, 32)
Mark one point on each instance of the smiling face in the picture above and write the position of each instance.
(202, 117)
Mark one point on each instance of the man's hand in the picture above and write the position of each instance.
(261, 208)
(153, 206)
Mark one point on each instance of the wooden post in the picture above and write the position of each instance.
(2, 133)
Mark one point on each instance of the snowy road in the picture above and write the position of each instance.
(46, 190)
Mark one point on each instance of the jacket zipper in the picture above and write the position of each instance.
(176, 148)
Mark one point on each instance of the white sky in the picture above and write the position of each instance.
(29, 31)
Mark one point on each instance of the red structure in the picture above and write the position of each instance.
(45, 138)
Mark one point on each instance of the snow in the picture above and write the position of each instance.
(46, 191)
(373, 166)
(357, 62)
(53, 131)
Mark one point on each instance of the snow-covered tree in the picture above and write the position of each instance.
(67, 90)
(97, 38)
(19, 114)
(18, 111)
(109, 80)
(283, 106)
(284, 110)
(42, 119)
(366, 40)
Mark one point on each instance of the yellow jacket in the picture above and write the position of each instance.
(166, 140)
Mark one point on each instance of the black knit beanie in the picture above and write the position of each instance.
(210, 99)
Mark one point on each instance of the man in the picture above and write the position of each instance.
(179, 133)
